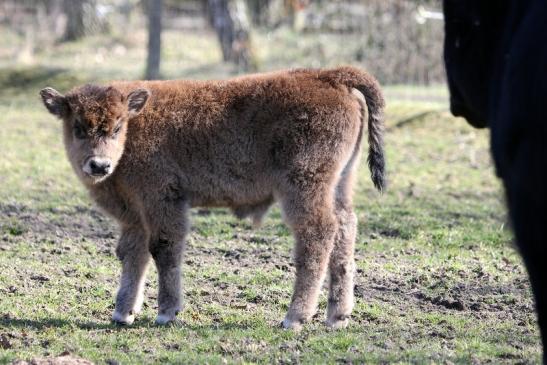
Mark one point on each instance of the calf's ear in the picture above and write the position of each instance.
(54, 101)
(136, 100)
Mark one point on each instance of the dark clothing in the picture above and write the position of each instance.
(496, 62)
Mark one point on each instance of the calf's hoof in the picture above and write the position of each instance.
(337, 322)
(295, 321)
(292, 325)
(164, 318)
(123, 319)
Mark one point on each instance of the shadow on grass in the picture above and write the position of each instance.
(22, 80)
(40, 324)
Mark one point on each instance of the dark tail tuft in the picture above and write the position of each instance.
(370, 88)
(376, 159)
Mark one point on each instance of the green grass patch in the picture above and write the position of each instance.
(437, 278)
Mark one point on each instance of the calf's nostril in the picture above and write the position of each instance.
(99, 167)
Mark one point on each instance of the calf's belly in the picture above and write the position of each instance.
(231, 195)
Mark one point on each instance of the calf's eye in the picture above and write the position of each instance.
(116, 130)
(79, 132)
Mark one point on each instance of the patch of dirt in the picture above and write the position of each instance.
(476, 292)
(63, 359)
(473, 293)
(85, 223)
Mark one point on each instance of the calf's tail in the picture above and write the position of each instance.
(367, 85)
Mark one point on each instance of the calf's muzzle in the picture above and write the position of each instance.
(98, 166)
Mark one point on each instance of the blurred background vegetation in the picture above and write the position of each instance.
(71, 41)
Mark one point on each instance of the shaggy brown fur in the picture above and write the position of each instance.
(149, 151)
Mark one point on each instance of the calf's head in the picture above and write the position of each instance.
(95, 122)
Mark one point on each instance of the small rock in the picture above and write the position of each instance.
(5, 342)
(475, 307)
(40, 278)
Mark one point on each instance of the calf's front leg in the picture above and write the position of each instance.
(166, 248)
(133, 252)
(167, 256)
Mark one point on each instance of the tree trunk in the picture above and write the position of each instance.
(220, 18)
(258, 10)
(154, 39)
(81, 19)
(229, 18)
(75, 27)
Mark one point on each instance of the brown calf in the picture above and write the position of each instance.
(149, 151)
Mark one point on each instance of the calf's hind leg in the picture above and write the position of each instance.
(342, 262)
(132, 250)
(311, 218)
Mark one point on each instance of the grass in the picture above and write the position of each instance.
(437, 280)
